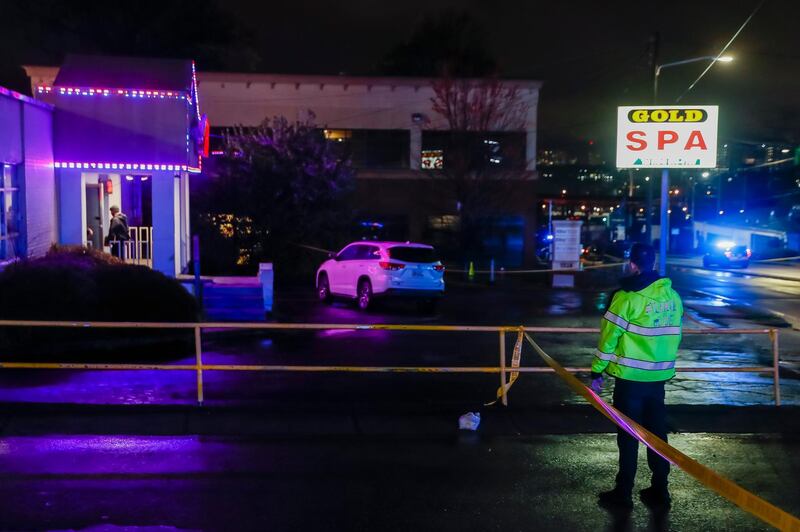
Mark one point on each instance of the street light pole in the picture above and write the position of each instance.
(664, 237)
(723, 59)
(649, 214)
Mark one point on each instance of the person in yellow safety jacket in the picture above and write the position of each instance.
(639, 337)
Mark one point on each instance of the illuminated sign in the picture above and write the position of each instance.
(566, 244)
(432, 159)
(667, 136)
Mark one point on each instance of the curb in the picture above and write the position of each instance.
(314, 420)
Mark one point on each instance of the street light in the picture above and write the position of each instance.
(723, 59)
(664, 239)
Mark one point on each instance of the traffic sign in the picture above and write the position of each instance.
(667, 136)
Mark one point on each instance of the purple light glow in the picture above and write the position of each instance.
(128, 93)
(127, 166)
(194, 89)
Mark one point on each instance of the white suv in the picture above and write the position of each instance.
(365, 270)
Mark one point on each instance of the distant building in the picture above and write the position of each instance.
(736, 154)
(395, 139)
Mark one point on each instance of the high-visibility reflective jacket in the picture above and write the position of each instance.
(641, 330)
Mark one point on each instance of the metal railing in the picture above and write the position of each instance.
(139, 249)
(503, 369)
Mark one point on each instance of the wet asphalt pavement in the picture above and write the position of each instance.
(460, 482)
(512, 301)
(392, 467)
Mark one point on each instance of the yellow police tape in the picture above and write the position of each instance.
(516, 357)
(554, 270)
(745, 500)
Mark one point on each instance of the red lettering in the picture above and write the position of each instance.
(633, 136)
(696, 140)
(666, 137)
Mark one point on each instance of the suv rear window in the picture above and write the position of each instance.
(412, 254)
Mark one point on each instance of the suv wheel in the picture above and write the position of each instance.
(364, 299)
(324, 289)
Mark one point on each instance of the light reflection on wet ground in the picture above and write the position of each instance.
(358, 483)
(476, 305)
(369, 348)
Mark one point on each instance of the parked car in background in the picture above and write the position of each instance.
(364, 271)
(727, 255)
(591, 255)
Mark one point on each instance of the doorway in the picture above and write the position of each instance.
(94, 216)
(137, 204)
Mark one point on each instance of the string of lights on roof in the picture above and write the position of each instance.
(126, 166)
(129, 93)
(194, 89)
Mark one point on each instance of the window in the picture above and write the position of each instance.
(445, 222)
(368, 253)
(490, 150)
(338, 135)
(349, 253)
(10, 215)
(372, 148)
(413, 254)
(432, 159)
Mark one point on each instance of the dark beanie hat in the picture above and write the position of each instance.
(644, 256)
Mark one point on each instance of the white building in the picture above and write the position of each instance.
(393, 135)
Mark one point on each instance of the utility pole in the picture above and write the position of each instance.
(649, 207)
(550, 229)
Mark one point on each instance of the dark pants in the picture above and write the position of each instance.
(118, 248)
(643, 402)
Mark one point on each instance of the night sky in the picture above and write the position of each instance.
(592, 56)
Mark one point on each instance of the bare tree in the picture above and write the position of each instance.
(478, 170)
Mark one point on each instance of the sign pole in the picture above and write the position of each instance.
(664, 240)
(667, 136)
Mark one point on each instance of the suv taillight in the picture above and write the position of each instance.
(438, 267)
(392, 266)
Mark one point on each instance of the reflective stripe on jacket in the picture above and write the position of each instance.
(640, 334)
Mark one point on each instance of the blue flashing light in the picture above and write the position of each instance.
(724, 244)
(549, 237)
(375, 225)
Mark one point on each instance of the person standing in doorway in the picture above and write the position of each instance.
(639, 338)
(118, 232)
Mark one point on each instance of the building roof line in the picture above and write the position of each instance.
(27, 99)
(265, 77)
(258, 77)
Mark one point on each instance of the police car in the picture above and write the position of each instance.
(727, 255)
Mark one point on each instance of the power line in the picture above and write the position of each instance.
(724, 48)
